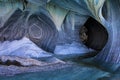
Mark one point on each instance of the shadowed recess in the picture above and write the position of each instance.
(95, 35)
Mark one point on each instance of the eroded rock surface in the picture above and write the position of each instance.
(12, 60)
(11, 65)
(46, 26)
(19, 61)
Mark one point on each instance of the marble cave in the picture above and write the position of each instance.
(59, 40)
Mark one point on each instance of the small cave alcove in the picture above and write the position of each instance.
(94, 35)
(9, 62)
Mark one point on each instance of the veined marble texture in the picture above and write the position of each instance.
(36, 28)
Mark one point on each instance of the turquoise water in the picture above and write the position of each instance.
(78, 72)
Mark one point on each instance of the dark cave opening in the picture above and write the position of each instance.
(94, 35)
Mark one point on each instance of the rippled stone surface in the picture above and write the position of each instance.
(46, 28)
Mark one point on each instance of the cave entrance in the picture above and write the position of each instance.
(93, 34)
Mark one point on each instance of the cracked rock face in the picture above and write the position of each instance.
(45, 28)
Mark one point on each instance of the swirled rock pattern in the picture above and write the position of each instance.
(54, 26)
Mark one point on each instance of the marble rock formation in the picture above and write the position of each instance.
(42, 28)
(26, 62)
(9, 60)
